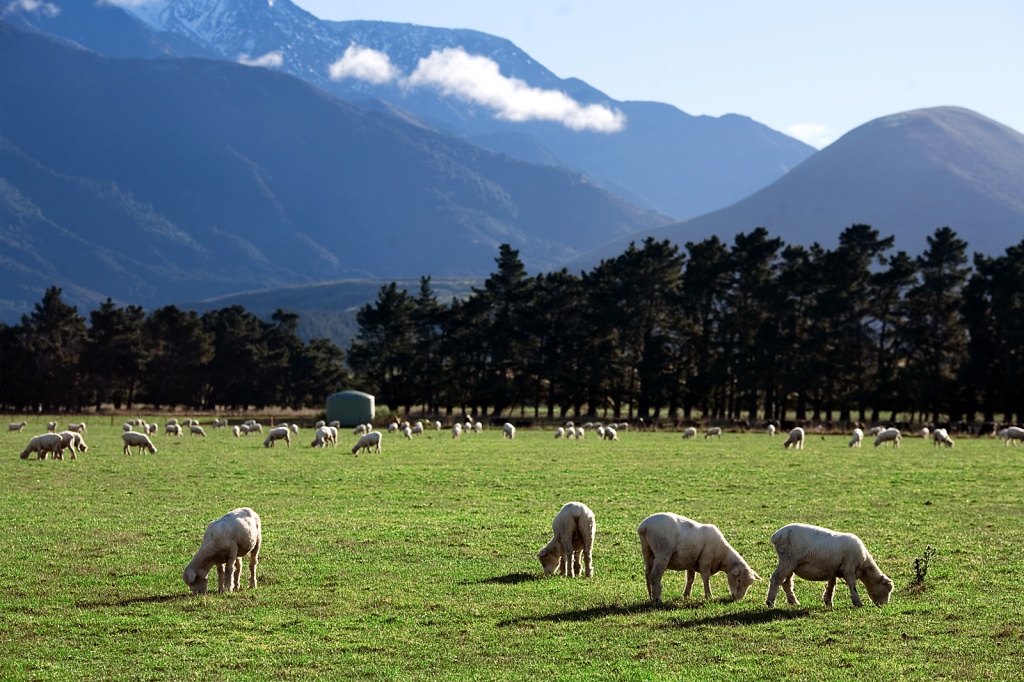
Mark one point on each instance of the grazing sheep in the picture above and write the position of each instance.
(47, 443)
(941, 437)
(924, 432)
(580, 433)
(319, 423)
(220, 423)
(16, 427)
(713, 431)
(225, 542)
(71, 440)
(673, 542)
(610, 433)
(197, 430)
(456, 430)
(478, 427)
(280, 433)
(437, 426)
(795, 438)
(336, 424)
(508, 430)
(174, 429)
(417, 429)
(295, 429)
(572, 541)
(360, 430)
(77, 428)
(858, 438)
(139, 440)
(407, 432)
(51, 427)
(150, 429)
(771, 429)
(236, 431)
(600, 433)
(171, 421)
(875, 430)
(815, 553)
(1011, 434)
(888, 436)
(559, 433)
(690, 432)
(368, 441)
(323, 436)
(393, 427)
(126, 427)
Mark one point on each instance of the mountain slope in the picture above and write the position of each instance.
(905, 175)
(194, 178)
(665, 159)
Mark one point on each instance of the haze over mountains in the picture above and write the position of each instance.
(152, 167)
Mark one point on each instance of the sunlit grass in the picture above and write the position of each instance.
(420, 562)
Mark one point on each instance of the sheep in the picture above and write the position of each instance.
(197, 430)
(319, 423)
(280, 433)
(672, 542)
(572, 541)
(600, 432)
(174, 429)
(252, 427)
(51, 427)
(335, 423)
(795, 438)
(225, 542)
(220, 423)
(478, 427)
(417, 429)
(360, 430)
(1011, 434)
(77, 428)
(815, 553)
(140, 440)
(858, 438)
(690, 433)
(924, 432)
(407, 432)
(393, 427)
(580, 433)
(71, 440)
(191, 422)
(771, 429)
(888, 436)
(713, 431)
(150, 429)
(323, 436)
(569, 425)
(941, 437)
(875, 430)
(456, 430)
(610, 433)
(171, 422)
(16, 427)
(508, 431)
(42, 445)
(125, 428)
(437, 426)
(236, 431)
(559, 433)
(295, 429)
(367, 441)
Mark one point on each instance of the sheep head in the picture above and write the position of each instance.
(196, 579)
(879, 585)
(740, 579)
(550, 560)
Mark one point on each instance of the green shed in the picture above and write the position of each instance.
(350, 408)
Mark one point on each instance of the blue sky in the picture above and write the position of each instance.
(814, 69)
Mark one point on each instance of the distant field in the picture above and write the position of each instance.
(420, 562)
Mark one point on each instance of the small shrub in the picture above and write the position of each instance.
(921, 570)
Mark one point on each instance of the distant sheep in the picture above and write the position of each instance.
(690, 432)
(139, 440)
(941, 437)
(857, 439)
(508, 430)
(795, 438)
(572, 542)
(197, 430)
(174, 429)
(236, 431)
(73, 442)
(771, 429)
(16, 427)
(77, 428)
(815, 553)
(323, 436)
(220, 423)
(1012, 435)
(456, 430)
(368, 442)
(673, 542)
(276, 434)
(51, 427)
(225, 542)
(295, 429)
(713, 431)
(610, 433)
(888, 436)
(47, 443)
(559, 432)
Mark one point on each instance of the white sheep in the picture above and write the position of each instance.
(572, 542)
(139, 440)
(393, 427)
(508, 430)
(319, 423)
(73, 441)
(51, 427)
(858, 438)
(407, 432)
(225, 542)
(690, 432)
(77, 428)
(771, 429)
(795, 438)
(559, 432)
(335, 423)
(941, 437)
(368, 441)
(478, 427)
(925, 432)
(220, 423)
(323, 436)
(600, 432)
(172, 421)
(295, 429)
(580, 433)
(875, 430)
(174, 429)
(673, 542)
(276, 434)
(713, 431)
(610, 433)
(456, 430)
(437, 426)
(888, 436)
(815, 553)
(236, 431)
(359, 430)
(197, 430)
(16, 427)
(125, 428)
(47, 443)
(1011, 434)
(417, 429)
(150, 429)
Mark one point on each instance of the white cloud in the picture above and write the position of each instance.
(477, 79)
(814, 134)
(47, 9)
(364, 64)
(270, 60)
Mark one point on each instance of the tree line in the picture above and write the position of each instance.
(753, 330)
(54, 361)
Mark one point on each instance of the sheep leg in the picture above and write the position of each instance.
(706, 577)
(851, 581)
(577, 566)
(657, 570)
(779, 578)
(588, 560)
(830, 588)
(568, 569)
(254, 559)
(229, 568)
(690, 575)
(237, 573)
(648, 555)
(787, 585)
(220, 577)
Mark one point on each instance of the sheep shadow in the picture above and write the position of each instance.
(741, 619)
(510, 579)
(153, 599)
(586, 614)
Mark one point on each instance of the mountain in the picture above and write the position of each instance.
(664, 159)
(159, 180)
(905, 175)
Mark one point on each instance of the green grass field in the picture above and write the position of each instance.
(420, 562)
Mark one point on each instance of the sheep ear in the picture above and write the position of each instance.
(190, 576)
(542, 553)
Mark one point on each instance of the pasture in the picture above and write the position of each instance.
(421, 562)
